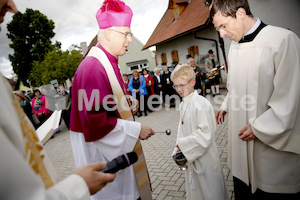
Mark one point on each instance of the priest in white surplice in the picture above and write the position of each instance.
(204, 179)
(262, 104)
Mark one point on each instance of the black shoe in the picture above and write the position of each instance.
(218, 94)
(140, 114)
(145, 114)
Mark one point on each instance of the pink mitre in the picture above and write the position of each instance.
(114, 13)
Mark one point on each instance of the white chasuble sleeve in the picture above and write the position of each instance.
(279, 126)
(70, 188)
(196, 134)
(19, 181)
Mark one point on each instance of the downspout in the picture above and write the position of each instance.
(223, 51)
(215, 41)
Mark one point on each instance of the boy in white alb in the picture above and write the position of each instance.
(204, 179)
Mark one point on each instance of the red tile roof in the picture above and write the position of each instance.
(93, 43)
(194, 15)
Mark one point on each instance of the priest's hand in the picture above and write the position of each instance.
(220, 116)
(146, 132)
(246, 133)
(94, 179)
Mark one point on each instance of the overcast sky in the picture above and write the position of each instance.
(75, 21)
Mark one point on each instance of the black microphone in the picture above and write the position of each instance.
(120, 162)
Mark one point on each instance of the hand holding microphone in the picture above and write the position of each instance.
(120, 162)
(93, 179)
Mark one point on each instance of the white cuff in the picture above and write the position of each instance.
(132, 129)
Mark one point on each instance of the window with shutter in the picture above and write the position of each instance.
(163, 59)
(175, 58)
(193, 51)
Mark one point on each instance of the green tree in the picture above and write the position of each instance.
(30, 34)
(57, 64)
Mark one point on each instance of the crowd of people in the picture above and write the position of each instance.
(263, 137)
(159, 85)
(151, 90)
(41, 106)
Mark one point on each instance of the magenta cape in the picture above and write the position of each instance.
(91, 75)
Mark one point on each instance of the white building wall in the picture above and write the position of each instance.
(135, 53)
(183, 43)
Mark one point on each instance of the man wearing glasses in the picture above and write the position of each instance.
(263, 103)
(100, 129)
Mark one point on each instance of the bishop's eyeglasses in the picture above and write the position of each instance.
(126, 34)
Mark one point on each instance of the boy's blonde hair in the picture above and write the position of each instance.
(184, 72)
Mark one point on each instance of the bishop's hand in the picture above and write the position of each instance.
(146, 132)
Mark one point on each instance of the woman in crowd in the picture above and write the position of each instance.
(149, 86)
(157, 85)
(137, 87)
(126, 81)
(39, 106)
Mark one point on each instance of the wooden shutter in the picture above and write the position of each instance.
(175, 58)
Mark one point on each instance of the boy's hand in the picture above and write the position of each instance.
(178, 149)
(220, 116)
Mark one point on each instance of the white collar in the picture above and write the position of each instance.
(256, 25)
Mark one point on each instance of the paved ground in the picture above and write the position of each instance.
(167, 181)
